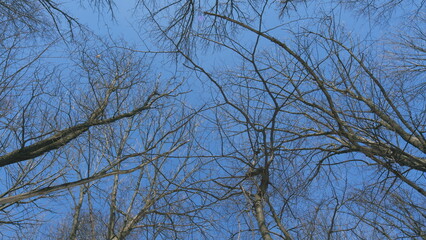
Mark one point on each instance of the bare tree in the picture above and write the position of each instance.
(53, 116)
(315, 128)
(316, 108)
(74, 117)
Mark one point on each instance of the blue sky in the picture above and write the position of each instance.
(126, 27)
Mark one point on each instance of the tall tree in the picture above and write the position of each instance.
(315, 128)
(309, 103)
(77, 112)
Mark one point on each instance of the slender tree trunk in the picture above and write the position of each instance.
(113, 208)
(260, 217)
(259, 204)
(74, 228)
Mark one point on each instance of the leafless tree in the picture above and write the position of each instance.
(72, 115)
(317, 108)
(315, 129)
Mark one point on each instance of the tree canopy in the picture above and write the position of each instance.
(296, 119)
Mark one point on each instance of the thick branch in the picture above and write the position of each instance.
(65, 136)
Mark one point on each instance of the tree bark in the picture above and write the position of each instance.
(260, 217)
